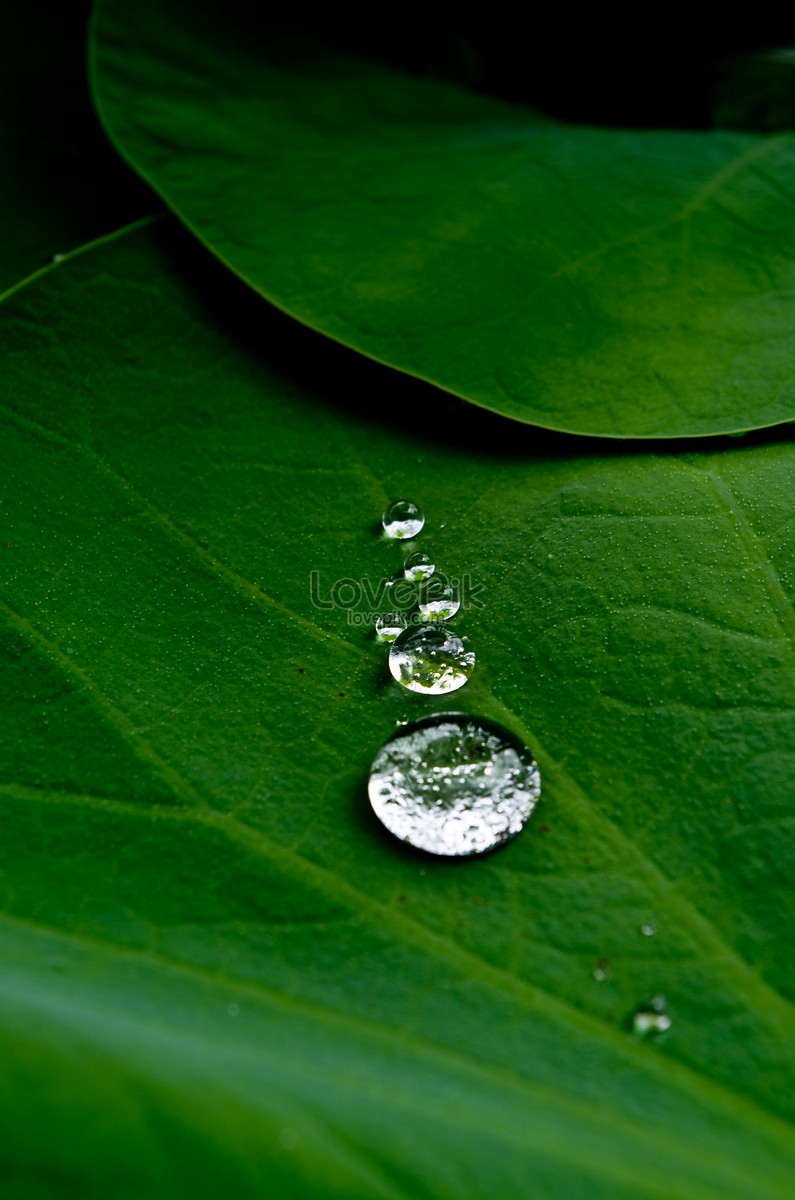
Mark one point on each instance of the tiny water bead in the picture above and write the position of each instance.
(452, 784)
(389, 625)
(438, 601)
(418, 566)
(651, 1018)
(430, 659)
(403, 520)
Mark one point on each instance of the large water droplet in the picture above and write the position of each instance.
(431, 659)
(438, 601)
(453, 784)
(418, 566)
(403, 520)
(389, 625)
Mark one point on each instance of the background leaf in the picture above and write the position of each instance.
(217, 972)
(62, 182)
(600, 281)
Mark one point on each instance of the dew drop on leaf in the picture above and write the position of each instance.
(389, 625)
(403, 520)
(430, 659)
(438, 601)
(429, 787)
(651, 1017)
(418, 566)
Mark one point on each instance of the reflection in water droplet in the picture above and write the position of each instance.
(438, 601)
(649, 929)
(429, 785)
(389, 625)
(602, 971)
(403, 520)
(431, 659)
(418, 566)
(651, 1018)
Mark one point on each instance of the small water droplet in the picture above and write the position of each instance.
(430, 659)
(602, 971)
(438, 601)
(463, 817)
(418, 566)
(58, 257)
(651, 1017)
(403, 520)
(389, 625)
(233, 1010)
(649, 929)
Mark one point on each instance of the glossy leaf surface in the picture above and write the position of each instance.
(620, 283)
(218, 975)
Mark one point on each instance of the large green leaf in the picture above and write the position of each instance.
(218, 975)
(600, 281)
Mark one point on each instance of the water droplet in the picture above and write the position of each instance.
(233, 1010)
(418, 566)
(403, 520)
(649, 929)
(431, 659)
(602, 971)
(58, 257)
(473, 811)
(438, 601)
(389, 625)
(651, 1018)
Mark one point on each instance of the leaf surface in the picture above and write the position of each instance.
(62, 182)
(217, 972)
(623, 283)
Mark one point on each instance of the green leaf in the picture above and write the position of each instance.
(599, 281)
(218, 974)
(62, 183)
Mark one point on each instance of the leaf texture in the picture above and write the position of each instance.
(217, 972)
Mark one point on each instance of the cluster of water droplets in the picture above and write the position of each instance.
(451, 784)
(423, 656)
